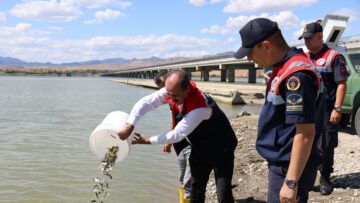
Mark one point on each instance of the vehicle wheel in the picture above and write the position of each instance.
(345, 120)
(357, 121)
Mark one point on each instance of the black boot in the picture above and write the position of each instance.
(325, 185)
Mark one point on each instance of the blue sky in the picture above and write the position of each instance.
(78, 30)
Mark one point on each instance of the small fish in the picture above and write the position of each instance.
(101, 186)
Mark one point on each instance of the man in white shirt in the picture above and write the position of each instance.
(202, 123)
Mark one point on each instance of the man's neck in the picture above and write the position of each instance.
(280, 54)
(316, 50)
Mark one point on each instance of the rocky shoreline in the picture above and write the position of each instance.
(250, 170)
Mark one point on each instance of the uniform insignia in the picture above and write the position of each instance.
(293, 83)
(294, 103)
(320, 61)
(294, 99)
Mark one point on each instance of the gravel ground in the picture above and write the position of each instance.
(250, 170)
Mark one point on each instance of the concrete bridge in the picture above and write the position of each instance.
(226, 64)
(334, 26)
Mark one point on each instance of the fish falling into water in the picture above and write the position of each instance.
(101, 185)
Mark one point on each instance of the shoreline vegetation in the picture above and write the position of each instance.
(59, 72)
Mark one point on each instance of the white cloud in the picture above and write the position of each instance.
(52, 11)
(215, 29)
(198, 2)
(91, 4)
(215, 1)
(238, 6)
(2, 18)
(285, 19)
(102, 16)
(123, 4)
(347, 12)
(55, 28)
(231, 40)
(43, 49)
(22, 27)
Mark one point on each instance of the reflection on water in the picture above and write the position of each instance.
(45, 124)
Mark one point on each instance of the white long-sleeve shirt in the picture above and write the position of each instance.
(187, 124)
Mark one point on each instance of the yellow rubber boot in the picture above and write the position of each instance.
(181, 194)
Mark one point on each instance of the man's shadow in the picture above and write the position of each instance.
(351, 180)
(249, 200)
(348, 129)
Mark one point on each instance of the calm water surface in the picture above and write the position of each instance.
(45, 124)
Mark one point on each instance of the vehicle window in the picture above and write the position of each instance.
(355, 60)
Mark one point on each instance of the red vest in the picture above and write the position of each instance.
(195, 99)
(297, 63)
(323, 62)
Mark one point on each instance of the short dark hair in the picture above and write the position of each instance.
(158, 76)
(184, 77)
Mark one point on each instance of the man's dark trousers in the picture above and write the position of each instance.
(277, 176)
(200, 171)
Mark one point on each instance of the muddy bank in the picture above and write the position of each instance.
(250, 170)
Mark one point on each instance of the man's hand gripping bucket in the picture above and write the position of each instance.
(105, 136)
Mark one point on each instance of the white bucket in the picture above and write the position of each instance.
(105, 136)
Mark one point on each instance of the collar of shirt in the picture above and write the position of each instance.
(322, 50)
(292, 52)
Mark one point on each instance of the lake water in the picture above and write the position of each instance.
(45, 124)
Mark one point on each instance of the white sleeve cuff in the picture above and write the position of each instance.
(154, 140)
(132, 119)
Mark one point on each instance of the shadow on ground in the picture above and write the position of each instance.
(351, 180)
(348, 129)
(249, 200)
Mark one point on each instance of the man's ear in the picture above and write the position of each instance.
(266, 44)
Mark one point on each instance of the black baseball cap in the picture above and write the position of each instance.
(253, 33)
(310, 29)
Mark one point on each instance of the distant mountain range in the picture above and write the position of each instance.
(112, 63)
(17, 63)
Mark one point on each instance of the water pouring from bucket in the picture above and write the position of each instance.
(105, 136)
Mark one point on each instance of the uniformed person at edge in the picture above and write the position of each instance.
(331, 65)
(288, 120)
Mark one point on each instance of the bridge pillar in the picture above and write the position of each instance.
(188, 72)
(205, 75)
(154, 73)
(252, 74)
(223, 75)
(230, 74)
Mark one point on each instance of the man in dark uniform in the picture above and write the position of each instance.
(331, 65)
(288, 120)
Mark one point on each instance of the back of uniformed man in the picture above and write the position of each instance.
(287, 121)
(331, 65)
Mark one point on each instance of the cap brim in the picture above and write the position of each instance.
(306, 35)
(242, 52)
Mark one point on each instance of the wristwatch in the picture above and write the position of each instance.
(292, 184)
(337, 109)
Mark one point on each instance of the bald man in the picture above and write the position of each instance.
(198, 121)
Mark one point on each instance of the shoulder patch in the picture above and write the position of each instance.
(294, 103)
(293, 83)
